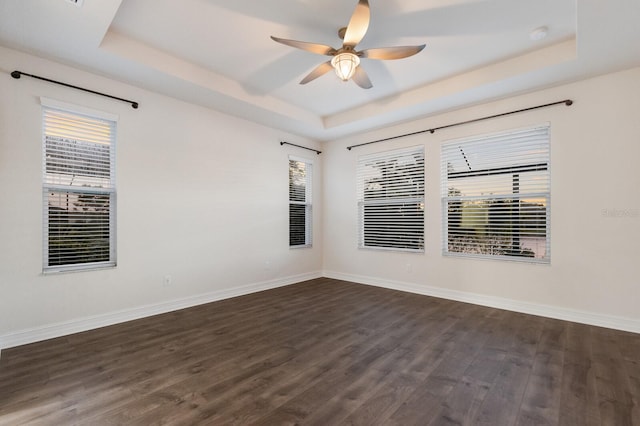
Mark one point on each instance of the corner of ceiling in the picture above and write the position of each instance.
(203, 78)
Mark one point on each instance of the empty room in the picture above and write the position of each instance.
(320, 212)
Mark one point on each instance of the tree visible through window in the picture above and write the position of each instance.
(300, 207)
(391, 200)
(79, 190)
(495, 193)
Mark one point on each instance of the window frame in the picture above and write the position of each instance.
(417, 200)
(110, 190)
(307, 203)
(538, 165)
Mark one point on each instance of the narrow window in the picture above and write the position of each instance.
(79, 189)
(300, 207)
(495, 196)
(391, 200)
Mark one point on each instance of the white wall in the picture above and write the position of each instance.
(594, 275)
(202, 196)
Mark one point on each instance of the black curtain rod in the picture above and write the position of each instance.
(300, 146)
(17, 74)
(567, 102)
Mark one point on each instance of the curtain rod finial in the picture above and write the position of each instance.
(16, 74)
(568, 102)
(134, 105)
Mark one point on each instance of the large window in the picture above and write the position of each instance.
(300, 208)
(79, 189)
(391, 200)
(495, 195)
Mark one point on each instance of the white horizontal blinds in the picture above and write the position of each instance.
(78, 150)
(391, 199)
(300, 203)
(496, 195)
(79, 190)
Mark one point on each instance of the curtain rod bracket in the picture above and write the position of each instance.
(17, 74)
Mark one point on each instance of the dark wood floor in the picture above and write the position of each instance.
(328, 352)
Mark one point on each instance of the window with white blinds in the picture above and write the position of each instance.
(496, 196)
(79, 190)
(300, 206)
(391, 200)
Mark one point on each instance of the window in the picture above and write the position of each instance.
(495, 196)
(78, 188)
(300, 211)
(391, 200)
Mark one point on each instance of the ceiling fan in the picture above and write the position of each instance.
(346, 60)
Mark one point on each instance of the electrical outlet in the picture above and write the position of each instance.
(167, 280)
(267, 265)
(408, 267)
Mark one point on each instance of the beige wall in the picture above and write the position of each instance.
(202, 197)
(594, 274)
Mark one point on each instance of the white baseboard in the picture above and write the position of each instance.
(556, 312)
(50, 331)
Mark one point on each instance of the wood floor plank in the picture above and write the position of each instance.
(628, 344)
(430, 397)
(402, 380)
(327, 352)
(503, 399)
(578, 398)
(541, 400)
(612, 382)
(379, 348)
(348, 399)
(465, 400)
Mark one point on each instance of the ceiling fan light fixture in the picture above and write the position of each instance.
(345, 64)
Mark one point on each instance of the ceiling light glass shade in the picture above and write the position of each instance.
(345, 65)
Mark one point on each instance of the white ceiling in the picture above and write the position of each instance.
(218, 53)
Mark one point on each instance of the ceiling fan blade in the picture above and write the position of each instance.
(358, 24)
(320, 49)
(362, 79)
(318, 71)
(397, 52)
